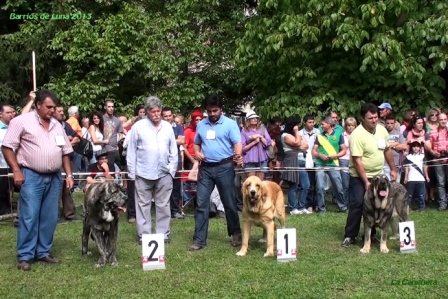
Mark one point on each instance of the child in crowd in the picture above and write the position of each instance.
(416, 174)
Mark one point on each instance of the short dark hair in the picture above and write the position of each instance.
(368, 107)
(212, 100)
(391, 116)
(3, 105)
(164, 109)
(308, 117)
(41, 95)
(58, 105)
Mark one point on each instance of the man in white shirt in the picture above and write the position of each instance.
(309, 133)
(6, 114)
(152, 162)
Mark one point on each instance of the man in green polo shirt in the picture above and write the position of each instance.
(369, 148)
(328, 148)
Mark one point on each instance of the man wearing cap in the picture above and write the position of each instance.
(385, 109)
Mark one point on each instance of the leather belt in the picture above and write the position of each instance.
(213, 164)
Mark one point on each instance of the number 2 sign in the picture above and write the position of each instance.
(153, 251)
(407, 237)
(286, 244)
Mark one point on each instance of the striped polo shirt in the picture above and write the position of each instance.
(36, 146)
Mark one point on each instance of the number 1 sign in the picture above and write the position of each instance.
(153, 251)
(286, 245)
(407, 237)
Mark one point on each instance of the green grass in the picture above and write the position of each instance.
(323, 269)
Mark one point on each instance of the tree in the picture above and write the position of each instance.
(178, 50)
(314, 56)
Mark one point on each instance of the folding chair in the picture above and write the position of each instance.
(188, 189)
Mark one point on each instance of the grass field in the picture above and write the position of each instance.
(323, 268)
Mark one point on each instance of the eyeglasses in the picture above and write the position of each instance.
(433, 114)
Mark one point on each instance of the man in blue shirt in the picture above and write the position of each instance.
(167, 115)
(217, 147)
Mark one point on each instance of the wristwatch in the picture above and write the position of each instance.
(69, 176)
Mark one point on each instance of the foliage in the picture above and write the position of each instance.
(314, 56)
(177, 50)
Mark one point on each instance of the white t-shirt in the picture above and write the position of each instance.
(414, 174)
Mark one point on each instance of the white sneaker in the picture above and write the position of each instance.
(305, 211)
(295, 212)
(310, 210)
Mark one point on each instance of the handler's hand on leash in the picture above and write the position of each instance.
(69, 183)
(393, 175)
(18, 178)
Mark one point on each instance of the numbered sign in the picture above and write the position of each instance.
(407, 237)
(286, 245)
(153, 251)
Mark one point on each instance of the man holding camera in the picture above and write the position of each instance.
(439, 143)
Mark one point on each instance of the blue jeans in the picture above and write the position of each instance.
(419, 189)
(345, 176)
(336, 182)
(77, 161)
(292, 196)
(38, 202)
(441, 175)
(304, 187)
(223, 176)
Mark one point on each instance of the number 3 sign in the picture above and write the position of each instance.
(153, 251)
(407, 237)
(286, 245)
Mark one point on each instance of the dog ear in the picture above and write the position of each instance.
(264, 192)
(244, 187)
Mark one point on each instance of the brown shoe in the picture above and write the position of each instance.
(236, 239)
(24, 266)
(49, 260)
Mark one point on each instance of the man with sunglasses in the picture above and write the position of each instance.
(384, 110)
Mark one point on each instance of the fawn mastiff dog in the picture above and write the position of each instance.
(102, 203)
(383, 201)
(263, 202)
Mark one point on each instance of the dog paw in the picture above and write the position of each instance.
(268, 254)
(384, 250)
(114, 263)
(87, 253)
(365, 250)
(240, 253)
(396, 237)
(99, 265)
(262, 240)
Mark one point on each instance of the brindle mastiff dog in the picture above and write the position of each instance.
(382, 201)
(102, 203)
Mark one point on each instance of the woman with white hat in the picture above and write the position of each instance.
(256, 141)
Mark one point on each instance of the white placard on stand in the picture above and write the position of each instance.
(408, 243)
(286, 244)
(153, 251)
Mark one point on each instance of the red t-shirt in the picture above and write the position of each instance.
(189, 140)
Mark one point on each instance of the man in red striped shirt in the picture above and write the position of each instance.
(35, 148)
